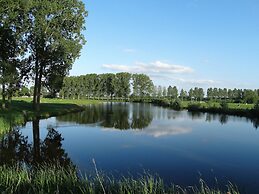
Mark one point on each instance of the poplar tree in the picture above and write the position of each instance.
(55, 39)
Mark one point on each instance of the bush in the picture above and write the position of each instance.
(224, 105)
(194, 106)
(177, 104)
(256, 107)
(165, 102)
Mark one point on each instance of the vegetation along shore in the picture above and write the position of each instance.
(57, 179)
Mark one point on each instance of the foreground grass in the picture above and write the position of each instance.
(53, 179)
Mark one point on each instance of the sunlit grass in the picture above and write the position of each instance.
(57, 179)
(21, 110)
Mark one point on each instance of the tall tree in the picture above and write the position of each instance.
(159, 91)
(183, 94)
(12, 45)
(174, 92)
(55, 39)
(142, 85)
(122, 84)
(164, 92)
(169, 91)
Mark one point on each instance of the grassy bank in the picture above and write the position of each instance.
(21, 110)
(52, 179)
(223, 107)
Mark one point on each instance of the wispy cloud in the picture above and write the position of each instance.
(197, 81)
(167, 130)
(154, 67)
(165, 72)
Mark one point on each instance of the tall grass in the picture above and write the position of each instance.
(57, 179)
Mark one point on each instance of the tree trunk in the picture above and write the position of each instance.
(39, 89)
(36, 85)
(36, 140)
(3, 96)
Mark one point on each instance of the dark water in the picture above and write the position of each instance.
(126, 138)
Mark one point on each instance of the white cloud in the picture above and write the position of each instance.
(197, 81)
(165, 73)
(150, 68)
(157, 130)
(165, 130)
(159, 66)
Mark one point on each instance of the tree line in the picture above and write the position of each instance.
(198, 94)
(106, 85)
(125, 85)
(39, 41)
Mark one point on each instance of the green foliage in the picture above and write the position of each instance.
(194, 106)
(41, 38)
(122, 84)
(106, 85)
(142, 85)
(183, 94)
(224, 105)
(250, 96)
(177, 104)
(165, 102)
(256, 106)
(172, 92)
(24, 91)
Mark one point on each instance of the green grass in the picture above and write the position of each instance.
(240, 106)
(21, 110)
(56, 179)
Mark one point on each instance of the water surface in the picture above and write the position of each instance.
(128, 138)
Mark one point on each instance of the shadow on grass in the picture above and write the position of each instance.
(19, 112)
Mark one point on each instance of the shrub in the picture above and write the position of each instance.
(165, 102)
(194, 106)
(224, 105)
(256, 107)
(177, 104)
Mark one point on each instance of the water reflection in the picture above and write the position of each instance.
(119, 116)
(135, 116)
(160, 130)
(15, 148)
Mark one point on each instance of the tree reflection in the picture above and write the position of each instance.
(138, 116)
(51, 149)
(15, 148)
(119, 116)
(141, 116)
(223, 119)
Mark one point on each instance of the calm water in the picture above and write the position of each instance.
(126, 138)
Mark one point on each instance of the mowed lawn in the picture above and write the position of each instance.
(23, 107)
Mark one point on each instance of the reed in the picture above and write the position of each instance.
(57, 179)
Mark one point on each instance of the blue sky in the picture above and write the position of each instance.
(185, 43)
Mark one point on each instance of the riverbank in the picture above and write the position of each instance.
(21, 110)
(53, 179)
(227, 108)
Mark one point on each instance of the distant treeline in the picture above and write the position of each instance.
(198, 94)
(126, 85)
(106, 85)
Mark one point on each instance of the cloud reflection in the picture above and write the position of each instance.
(161, 130)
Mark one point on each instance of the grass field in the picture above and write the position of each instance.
(21, 110)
